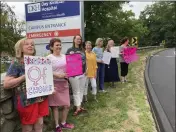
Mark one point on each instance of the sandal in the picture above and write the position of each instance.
(82, 109)
(77, 112)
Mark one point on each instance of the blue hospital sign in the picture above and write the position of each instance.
(51, 9)
(50, 19)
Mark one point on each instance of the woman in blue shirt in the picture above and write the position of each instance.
(98, 50)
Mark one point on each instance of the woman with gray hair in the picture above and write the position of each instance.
(98, 50)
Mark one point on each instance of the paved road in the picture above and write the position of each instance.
(162, 76)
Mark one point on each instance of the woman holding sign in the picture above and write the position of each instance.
(124, 66)
(91, 71)
(111, 70)
(31, 111)
(98, 50)
(78, 82)
(61, 96)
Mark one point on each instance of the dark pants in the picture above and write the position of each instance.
(100, 75)
(124, 68)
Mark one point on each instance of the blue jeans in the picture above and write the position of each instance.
(100, 75)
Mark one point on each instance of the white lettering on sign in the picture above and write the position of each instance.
(34, 8)
(44, 4)
(51, 8)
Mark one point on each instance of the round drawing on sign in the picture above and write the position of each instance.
(34, 74)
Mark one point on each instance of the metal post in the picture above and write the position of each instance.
(82, 19)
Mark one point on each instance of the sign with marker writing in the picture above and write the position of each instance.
(74, 65)
(39, 76)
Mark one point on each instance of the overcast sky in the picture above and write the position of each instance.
(136, 7)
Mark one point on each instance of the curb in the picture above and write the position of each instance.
(161, 120)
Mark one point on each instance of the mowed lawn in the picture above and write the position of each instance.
(122, 109)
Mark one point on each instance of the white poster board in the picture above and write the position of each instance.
(115, 52)
(39, 76)
(106, 57)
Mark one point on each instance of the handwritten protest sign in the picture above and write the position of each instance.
(74, 65)
(115, 52)
(39, 76)
(129, 54)
(106, 57)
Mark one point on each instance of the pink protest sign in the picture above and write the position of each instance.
(74, 65)
(129, 54)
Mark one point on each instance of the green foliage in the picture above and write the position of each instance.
(11, 29)
(160, 21)
(107, 19)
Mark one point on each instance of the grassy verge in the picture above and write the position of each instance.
(123, 109)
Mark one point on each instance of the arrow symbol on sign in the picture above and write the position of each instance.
(134, 40)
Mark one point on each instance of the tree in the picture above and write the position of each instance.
(107, 19)
(160, 21)
(11, 29)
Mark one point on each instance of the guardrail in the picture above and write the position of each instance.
(150, 47)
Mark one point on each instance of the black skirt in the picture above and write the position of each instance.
(111, 71)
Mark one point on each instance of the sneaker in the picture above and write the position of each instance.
(58, 129)
(67, 126)
(122, 81)
(126, 80)
(102, 91)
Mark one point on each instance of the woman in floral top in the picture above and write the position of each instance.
(31, 111)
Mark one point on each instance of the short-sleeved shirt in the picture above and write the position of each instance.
(99, 53)
(121, 51)
(91, 64)
(16, 70)
(58, 65)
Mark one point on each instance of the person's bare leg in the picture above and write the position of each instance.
(64, 124)
(27, 128)
(38, 126)
(123, 79)
(56, 115)
(64, 114)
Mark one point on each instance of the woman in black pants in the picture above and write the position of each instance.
(124, 66)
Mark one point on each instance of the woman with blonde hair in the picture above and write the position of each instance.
(31, 111)
(91, 70)
(98, 50)
(111, 70)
